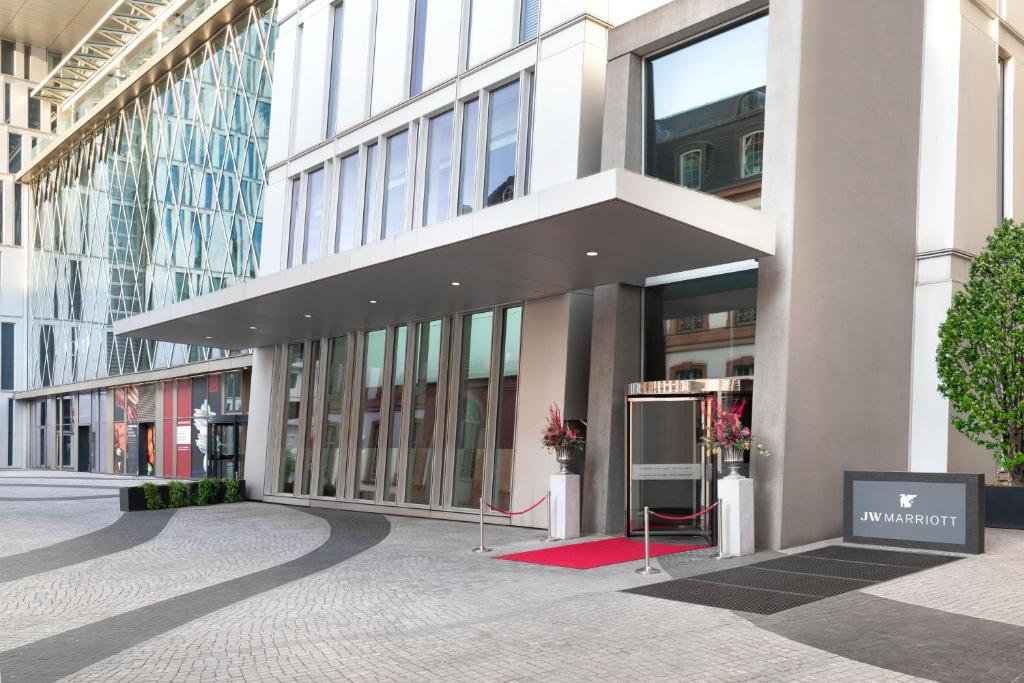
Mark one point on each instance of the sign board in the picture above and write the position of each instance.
(183, 434)
(934, 511)
(672, 470)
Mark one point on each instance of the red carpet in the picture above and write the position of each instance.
(596, 553)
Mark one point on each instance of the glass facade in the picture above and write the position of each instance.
(383, 426)
(161, 202)
(705, 113)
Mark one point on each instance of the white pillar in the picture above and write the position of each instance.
(565, 506)
(737, 496)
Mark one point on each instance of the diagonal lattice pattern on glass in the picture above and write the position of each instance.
(161, 202)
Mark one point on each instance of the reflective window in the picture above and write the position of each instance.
(502, 130)
(396, 173)
(17, 213)
(333, 420)
(7, 102)
(333, 94)
(471, 422)
(348, 195)
(34, 113)
(311, 415)
(424, 406)
(501, 472)
(701, 328)
(709, 96)
(292, 410)
(13, 152)
(467, 160)
(397, 405)
(529, 11)
(7, 356)
(293, 220)
(439, 168)
(369, 194)
(370, 397)
(7, 57)
(419, 40)
(690, 168)
(314, 215)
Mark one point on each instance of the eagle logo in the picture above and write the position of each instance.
(907, 499)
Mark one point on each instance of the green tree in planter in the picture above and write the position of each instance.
(981, 351)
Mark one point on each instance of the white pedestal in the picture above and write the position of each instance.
(565, 506)
(737, 516)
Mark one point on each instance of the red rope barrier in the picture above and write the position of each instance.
(521, 512)
(683, 519)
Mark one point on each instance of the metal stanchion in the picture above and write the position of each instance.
(647, 568)
(481, 548)
(721, 528)
(549, 537)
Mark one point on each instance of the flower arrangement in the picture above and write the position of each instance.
(558, 434)
(726, 428)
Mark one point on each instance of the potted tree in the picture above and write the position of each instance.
(980, 363)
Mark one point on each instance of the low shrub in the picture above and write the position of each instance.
(232, 491)
(180, 494)
(207, 492)
(154, 501)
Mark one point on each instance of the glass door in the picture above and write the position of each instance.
(668, 469)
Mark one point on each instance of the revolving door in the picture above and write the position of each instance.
(668, 467)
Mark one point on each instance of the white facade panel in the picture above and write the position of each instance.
(275, 225)
(355, 56)
(12, 282)
(491, 29)
(310, 103)
(278, 144)
(556, 119)
(441, 48)
(391, 54)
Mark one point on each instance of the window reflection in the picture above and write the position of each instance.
(369, 415)
(369, 194)
(397, 405)
(501, 478)
(471, 426)
(314, 215)
(395, 183)
(439, 168)
(290, 427)
(334, 397)
(348, 183)
(426, 368)
(467, 162)
(502, 134)
(705, 113)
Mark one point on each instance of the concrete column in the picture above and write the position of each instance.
(614, 363)
(257, 449)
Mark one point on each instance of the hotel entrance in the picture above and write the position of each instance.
(669, 469)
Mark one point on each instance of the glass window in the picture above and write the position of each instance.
(424, 418)
(690, 169)
(471, 422)
(7, 356)
(307, 451)
(27, 65)
(348, 193)
(7, 102)
(396, 172)
(418, 47)
(33, 113)
(702, 328)
(508, 391)
(293, 219)
(753, 152)
(395, 423)
(292, 411)
(13, 152)
(709, 96)
(7, 57)
(370, 396)
(529, 13)
(338, 23)
(17, 214)
(369, 194)
(52, 60)
(314, 215)
(467, 161)
(502, 127)
(439, 168)
(333, 428)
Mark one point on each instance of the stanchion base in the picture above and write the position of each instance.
(648, 570)
(481, 550)
(547, 539)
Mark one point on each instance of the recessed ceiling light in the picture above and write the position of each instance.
(252, 327)
(209, 337)
(307, 315)
(591, 253)
(456, 284)
(373, 301)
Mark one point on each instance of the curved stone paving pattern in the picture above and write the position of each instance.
(198, 548)
(29, 524)
(391, 599)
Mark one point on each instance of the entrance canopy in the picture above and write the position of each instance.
(615, 226)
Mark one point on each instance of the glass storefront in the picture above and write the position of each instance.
(705, 113)
(407, 431)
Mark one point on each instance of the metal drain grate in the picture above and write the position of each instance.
(783, 583)
(740, 598)
(875, 556)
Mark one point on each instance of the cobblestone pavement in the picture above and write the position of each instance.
(263, 592)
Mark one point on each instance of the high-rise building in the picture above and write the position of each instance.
(352, 251)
